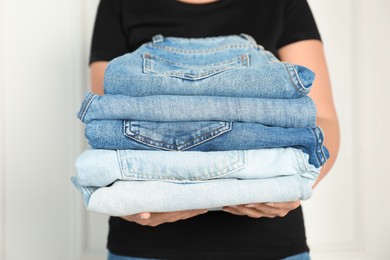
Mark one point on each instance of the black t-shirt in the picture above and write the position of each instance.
(122, 26)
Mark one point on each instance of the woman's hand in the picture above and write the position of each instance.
(155, 219)
(258, 210)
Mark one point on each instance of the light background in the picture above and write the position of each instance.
(43, 76)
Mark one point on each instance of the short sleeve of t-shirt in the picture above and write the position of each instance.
(298, 23)
(108, 39)
(120, 25)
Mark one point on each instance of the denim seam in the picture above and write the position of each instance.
(200, 75)
(270, 57)
(319, 142)
(237, 59)
(122, 167)
(300, 160)
(316, 146)
(245, 158)
(229, 128)
(236, 165)
(295, 85)
(322, 141)
(205, 51)
(87, 190)
(249, 38)
(85, 105)
(147, 64)
(302, 87)
(236, 63)
(86, 199)
(220, 130)
(306, 164)
(176, 39)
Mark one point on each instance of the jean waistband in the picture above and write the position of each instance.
(206, 44)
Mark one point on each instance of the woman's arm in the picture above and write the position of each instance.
(310, 53)
(96, 70)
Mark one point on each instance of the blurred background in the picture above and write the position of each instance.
(44, 48)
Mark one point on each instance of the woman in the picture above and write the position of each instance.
(255, 231)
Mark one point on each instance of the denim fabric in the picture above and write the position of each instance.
(298, 112)
(160, 181)
(214, 66)
(204, 136)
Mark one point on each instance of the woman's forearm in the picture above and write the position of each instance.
(310, 53)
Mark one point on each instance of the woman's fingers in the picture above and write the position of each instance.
(258, 210)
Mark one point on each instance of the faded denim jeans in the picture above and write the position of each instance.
(230, 66)
(126, 182)
(298, 112)
(177, 80)
(204, 136)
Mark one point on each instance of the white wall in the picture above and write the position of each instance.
(43, 75)
(347, 218)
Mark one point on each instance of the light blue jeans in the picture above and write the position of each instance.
(298, 112)
(111, 256)
(126, 182)
(204, 136)
(234, 66)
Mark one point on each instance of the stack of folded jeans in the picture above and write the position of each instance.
(243, 119)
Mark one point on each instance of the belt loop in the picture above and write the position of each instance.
(249, 38)
(158, 38)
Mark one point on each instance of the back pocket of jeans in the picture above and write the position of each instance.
(180, 167)
(174, 136)
(163, 67)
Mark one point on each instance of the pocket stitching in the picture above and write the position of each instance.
(204, 51)
(242, 57)
(239, 164)
(234, 63)
(226, 127)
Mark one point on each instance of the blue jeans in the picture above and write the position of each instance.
(111, 256)
(204, 136)
(298, 112)
(214, 66)
(160, 181)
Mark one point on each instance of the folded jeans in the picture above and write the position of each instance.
(126, 182)
(233, 65)
(204, 136)
(298, 112)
